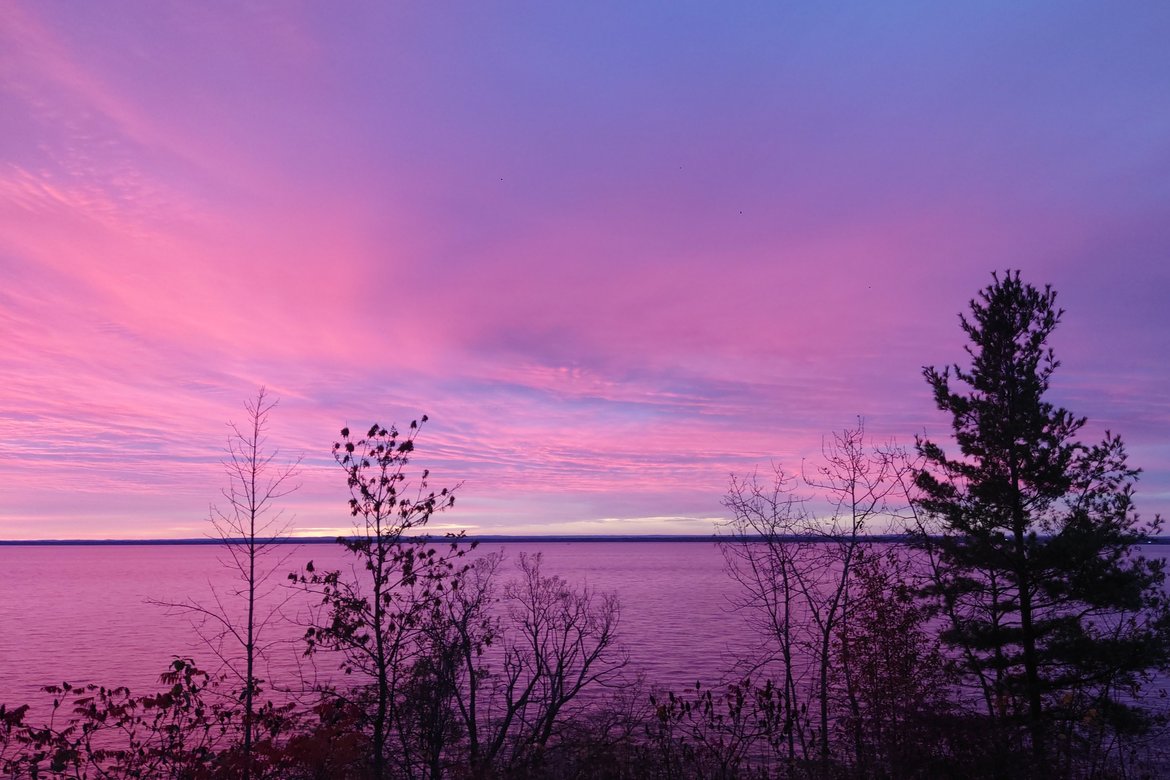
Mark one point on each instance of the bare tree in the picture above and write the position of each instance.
(860, 484)
(463, 633)
(250, 526)
(765, 551)
(796, 568)
(523, 658)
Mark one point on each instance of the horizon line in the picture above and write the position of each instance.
(480, 538)
(477, 538)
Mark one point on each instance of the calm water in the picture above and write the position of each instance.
(81, 614)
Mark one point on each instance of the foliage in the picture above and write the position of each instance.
(98, 732)
(896, 679)
(1033, 541)
(735, 732)
(376, 619)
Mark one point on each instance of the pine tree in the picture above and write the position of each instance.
(1034, 541)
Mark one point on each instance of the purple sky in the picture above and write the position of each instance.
(615, 251)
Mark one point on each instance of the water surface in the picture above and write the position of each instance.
(82, 613)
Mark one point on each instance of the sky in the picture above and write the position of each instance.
(617, 252)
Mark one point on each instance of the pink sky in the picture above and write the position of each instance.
(616, 253)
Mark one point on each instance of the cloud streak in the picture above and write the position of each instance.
(616, 254)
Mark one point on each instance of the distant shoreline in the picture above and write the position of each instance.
(486, 538)
(481, 539)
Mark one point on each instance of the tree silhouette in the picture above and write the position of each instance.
(554, 641)
(795, 567)
(249, 524)
(1032, 536)
(376, 614)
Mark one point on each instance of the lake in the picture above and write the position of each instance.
(82, 613)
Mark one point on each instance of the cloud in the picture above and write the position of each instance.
(616, 255)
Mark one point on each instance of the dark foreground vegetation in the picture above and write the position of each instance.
(1019, 633)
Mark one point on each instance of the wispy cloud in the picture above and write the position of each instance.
(615, 254)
